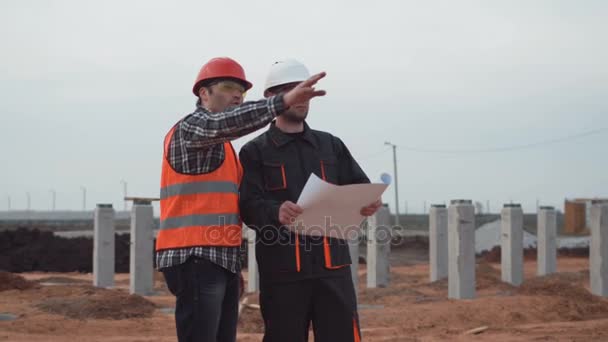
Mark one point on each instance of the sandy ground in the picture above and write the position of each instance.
(557, 308)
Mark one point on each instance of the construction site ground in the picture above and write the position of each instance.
(39, 306)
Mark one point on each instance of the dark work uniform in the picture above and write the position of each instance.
(303, 279)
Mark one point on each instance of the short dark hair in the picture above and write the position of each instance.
(210, 82)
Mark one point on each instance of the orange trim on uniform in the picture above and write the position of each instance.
(326, 249)
(298, 264)
(284, 176)
(323, 171)
(327, 253)
(356, 330)
(283, 186)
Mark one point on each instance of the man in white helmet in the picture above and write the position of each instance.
(303, 279)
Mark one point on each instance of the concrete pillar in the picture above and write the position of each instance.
(598, 251)
(253, 277)
(353, 247)
(461, 250)
(103, 246)
(379, 235)
(512, 244)
(438, 241)
(142, 249)
(546, 246)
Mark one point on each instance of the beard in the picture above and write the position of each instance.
(295, 115)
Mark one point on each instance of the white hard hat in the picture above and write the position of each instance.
(284, 72)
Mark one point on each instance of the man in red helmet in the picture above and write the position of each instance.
(198, 244)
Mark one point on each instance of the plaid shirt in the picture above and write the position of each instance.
(197, 147)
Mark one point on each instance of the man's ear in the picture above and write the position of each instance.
(268, 93)
(203, 94)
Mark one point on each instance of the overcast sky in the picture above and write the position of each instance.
(89, 88)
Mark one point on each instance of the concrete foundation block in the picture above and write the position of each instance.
(103, 246)
(142, 250)
(547, 241)
(379, 236)
(438, 242)
(598, 251)
(461, 250)
(511, 248)
(253, 276)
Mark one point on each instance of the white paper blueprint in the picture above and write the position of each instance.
(334, 210)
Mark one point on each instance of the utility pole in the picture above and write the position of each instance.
(9, 203)
(396, 181)
(29, 200)
(53, 198)
(84, 198)
(124, 192)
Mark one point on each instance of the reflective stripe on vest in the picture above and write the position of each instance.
(198, 188)
(200, 220)
(200, 210)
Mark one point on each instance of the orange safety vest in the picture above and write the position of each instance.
(200, 210)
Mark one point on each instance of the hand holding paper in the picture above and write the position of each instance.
(288, 212)
(333, 210)
(371, 209)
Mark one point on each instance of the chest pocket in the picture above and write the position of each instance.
(329, 169)
(275, 177)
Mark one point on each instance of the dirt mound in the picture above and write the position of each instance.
(559, 297)
(10, 281)
(61, 280)
(557, 284)
(25, 250)
(94, 303)
(493, 255)
(572, 300)
(487, 277)
(412, 242)
(582, 252)
(440, 284)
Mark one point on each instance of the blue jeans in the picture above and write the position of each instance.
(207, 300)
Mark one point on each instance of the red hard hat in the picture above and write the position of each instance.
(220, 67)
